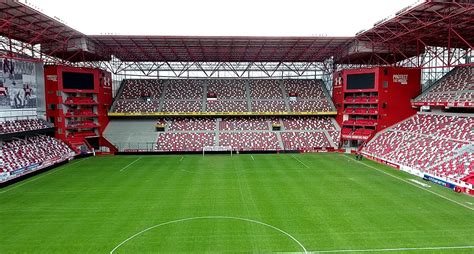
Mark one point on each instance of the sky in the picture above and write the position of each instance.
(221, 18)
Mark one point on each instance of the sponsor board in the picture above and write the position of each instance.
(4, 176)
(439, 181)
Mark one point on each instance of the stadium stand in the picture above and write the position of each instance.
(242, 133)
(227, 106)
(265, 89)
(184, 141)
(181, 106)
(136, 106)
(440, 143)
(184, 89)
(33, 151)
(228, 88)
(138, 88)
(269, 106)
(15, 126)
(231, 95)
(456, 89)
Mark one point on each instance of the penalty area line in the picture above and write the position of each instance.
(413, 184)
(130, 164)
(395, 249)
(299, 161)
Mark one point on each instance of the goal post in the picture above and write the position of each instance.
(217, 149)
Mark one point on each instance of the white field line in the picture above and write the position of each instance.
(211, 217)
(182, 157)
(252, 157)
(43, 175)
(395, 249)
(416, 185)
(130, 164)
(299, 161)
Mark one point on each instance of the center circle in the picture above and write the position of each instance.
(211, 218)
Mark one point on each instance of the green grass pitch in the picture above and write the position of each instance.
(287, 203)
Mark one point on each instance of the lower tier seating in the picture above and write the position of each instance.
(30, 153)
(429, 142)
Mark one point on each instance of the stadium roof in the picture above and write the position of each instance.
(431, 23)
(221, 49)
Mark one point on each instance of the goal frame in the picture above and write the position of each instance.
(217, 149)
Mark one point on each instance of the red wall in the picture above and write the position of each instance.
(102, 94)
(397, 96)
(394, 100)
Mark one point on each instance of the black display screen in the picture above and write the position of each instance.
(75, 80)
(360, 81)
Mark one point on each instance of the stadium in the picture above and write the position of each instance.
(117, 143)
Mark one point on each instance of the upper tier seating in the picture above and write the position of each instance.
(18, 154)
(310, 106)
(427, 142)
(181, 106)
(455, 87)
(265, 89)
(137, 88)
(305, 89)
(136, 106)
(228, 88)
(268, 106)
(227, 106)
(22, 125)
(231, 95)
(184, 89)
(308, 123)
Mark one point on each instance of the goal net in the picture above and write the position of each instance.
(216, 149)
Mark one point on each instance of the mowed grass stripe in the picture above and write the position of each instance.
(335, 204)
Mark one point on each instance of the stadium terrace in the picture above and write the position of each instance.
(225, 144)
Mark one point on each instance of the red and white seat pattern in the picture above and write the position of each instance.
(447, 126)
(19, 154)
(268, 106)
(456, 88)
(305, 89)
(244, 123)
(458, 167)
(228, 88)
(227, 106)
(232, 95)
(247, 133)
(181, 106)
(136, 106)
(265, 89)
(250, 140)
(138, 88)
(310, 106)
(304, 140)
(185, 141)
(191, 124)
(22, 125)
(184, 89)
(428, 142)
(308, 123)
